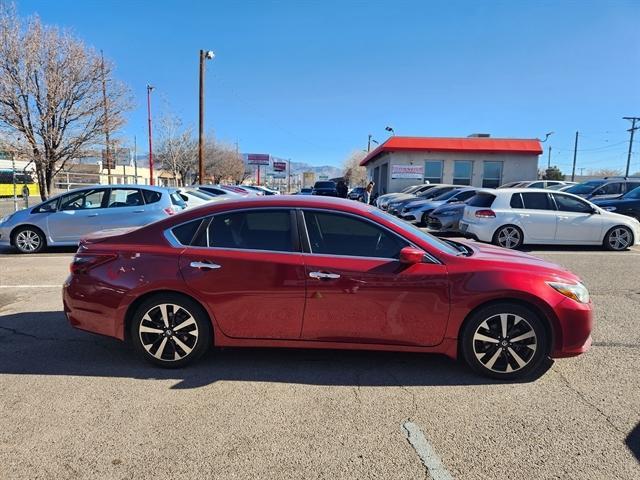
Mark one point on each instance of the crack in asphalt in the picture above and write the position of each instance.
(586, 401)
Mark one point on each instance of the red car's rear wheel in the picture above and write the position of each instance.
(170, 330)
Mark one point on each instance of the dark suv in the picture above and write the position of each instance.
(327, 189)
(605, 188)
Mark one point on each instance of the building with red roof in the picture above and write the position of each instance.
(477, 160)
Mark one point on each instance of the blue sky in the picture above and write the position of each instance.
(308, 80)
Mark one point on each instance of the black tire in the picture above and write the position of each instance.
(29, 239)
(618, 238)
(179, 347)
(508, 236)
(496, 358)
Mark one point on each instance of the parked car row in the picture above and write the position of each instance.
(513, 216)
(64, 219)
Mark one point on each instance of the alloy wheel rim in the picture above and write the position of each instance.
(505, 343)
(509, 237)
(168, 332)
(619, 239)
(28, 241)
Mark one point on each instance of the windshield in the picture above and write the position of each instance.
(411, 189)
(447, 195)
(586, 187)
(410, 228)
(434, 192)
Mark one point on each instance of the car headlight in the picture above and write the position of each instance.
(6, 218)
(575, 291)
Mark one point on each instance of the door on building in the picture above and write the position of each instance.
(383, 186)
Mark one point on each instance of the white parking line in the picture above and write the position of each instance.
(425, 451)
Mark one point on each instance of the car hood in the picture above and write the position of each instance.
(519, 261)
(610, 201)
(400, 198)
(451, 207)
(425, 204)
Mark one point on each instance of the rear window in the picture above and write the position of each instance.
(483, 200)
(176, 199)
(151, 196)
(185, 232)
(324, 185)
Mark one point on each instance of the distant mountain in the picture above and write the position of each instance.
(328, 170)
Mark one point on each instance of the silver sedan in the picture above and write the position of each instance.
(64, 219)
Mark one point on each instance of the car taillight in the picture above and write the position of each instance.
(485, 214)
(169, 211)
(83, 262)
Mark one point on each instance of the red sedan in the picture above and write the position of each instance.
(317, 272)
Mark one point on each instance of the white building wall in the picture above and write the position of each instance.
(515, 167)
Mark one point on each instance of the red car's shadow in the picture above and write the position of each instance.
(42, 343)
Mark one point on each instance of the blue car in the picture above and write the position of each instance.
(64, 219)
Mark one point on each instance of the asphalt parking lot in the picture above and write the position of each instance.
(80, 406)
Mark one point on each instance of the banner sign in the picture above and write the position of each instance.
(407, 171)
(258, 159)
(279, 166)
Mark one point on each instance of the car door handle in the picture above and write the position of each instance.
(324, 275)
(562, 217)
(524, 215)
(93, 215)
(138, 211)
(205, 265)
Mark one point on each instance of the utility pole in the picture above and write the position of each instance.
(106, 119)
(135, 157)
(631, 130)
(369, 144)
(289, 176)
(549, 158)
(204, 55)
(575, 154)
(149, 89)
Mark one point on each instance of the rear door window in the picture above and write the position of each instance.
(516, 201)
(536, 201)
(252, 230)
(613, 188)
(184, 233)
(125, 197)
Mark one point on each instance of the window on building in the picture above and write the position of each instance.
(433, 171)
(462, 170)
(492, 174)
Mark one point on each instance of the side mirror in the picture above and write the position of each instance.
(411, 255)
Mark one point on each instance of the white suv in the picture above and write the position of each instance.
(511, 217)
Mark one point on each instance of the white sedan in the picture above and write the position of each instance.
(512, 217)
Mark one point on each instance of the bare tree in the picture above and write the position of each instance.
(354, 174)
(178, 149)
(223, 163)
(604, 172)
(51, 93)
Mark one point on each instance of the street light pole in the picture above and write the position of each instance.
(106, 119)
(549, 157)
(204, 55)
(149, 89)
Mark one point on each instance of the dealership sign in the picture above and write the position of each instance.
(258, 159)
(407, 171)
(279, 166)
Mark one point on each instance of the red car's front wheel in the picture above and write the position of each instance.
(506, 341)
(170, 330)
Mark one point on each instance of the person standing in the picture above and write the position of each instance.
(342, 189)
(367, 193)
